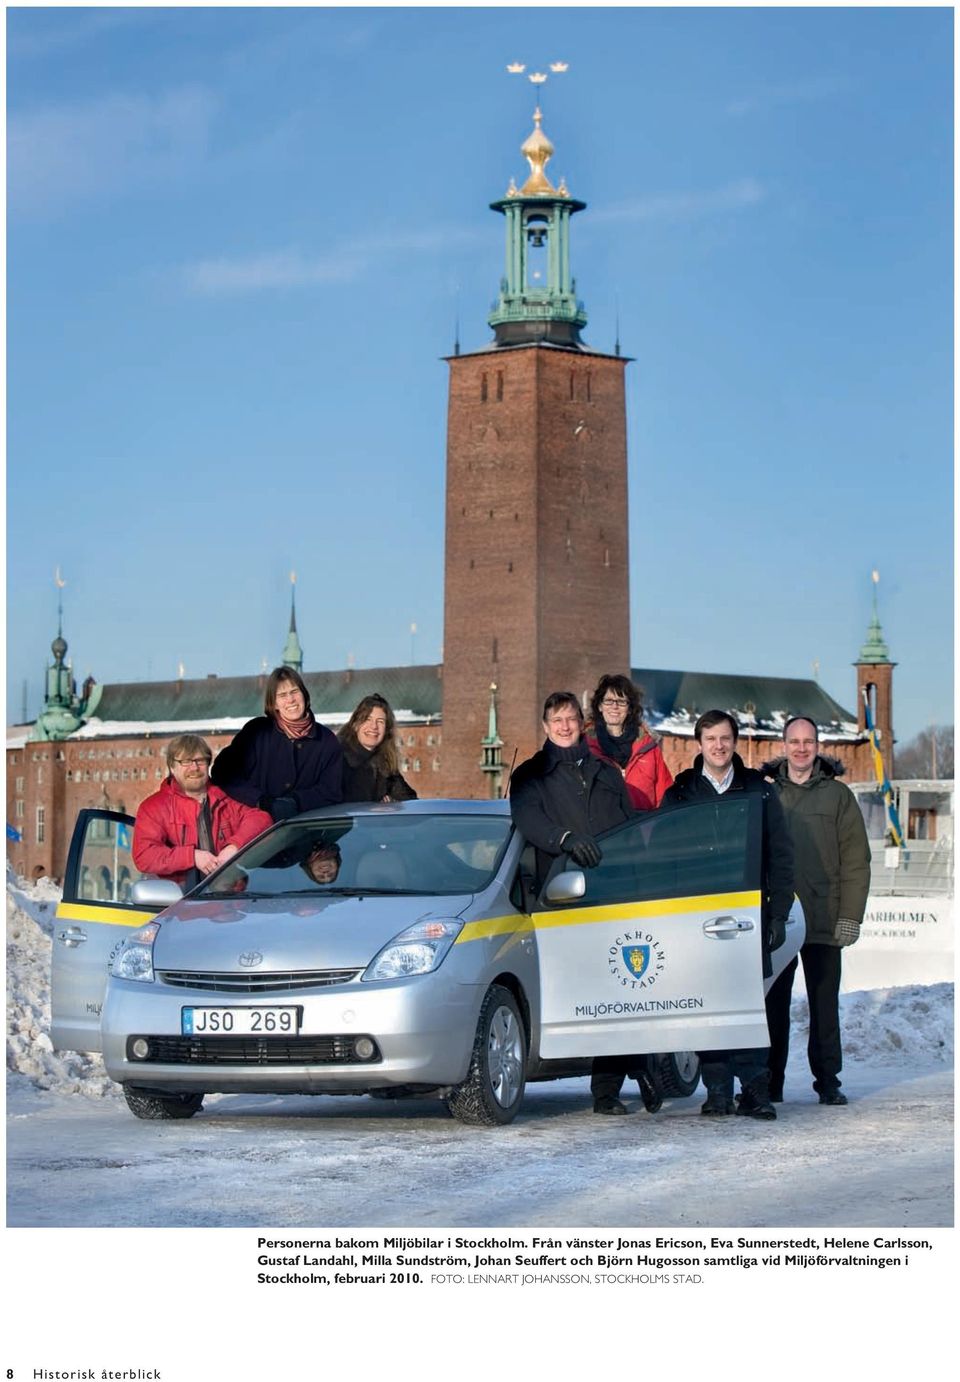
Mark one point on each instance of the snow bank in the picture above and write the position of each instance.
(886, 1026)
(30, 1054)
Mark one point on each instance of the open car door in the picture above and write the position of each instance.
(94, 917)
(662, 952)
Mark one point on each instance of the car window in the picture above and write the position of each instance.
(710, 847)
(104, 868)
(419, 854)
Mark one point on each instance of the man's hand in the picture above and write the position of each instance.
(776, 932)
(226, 853)
(583, 850)
(846, 931)
(205, 861)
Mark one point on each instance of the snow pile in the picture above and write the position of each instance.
(30, 1053)
(892, 1026)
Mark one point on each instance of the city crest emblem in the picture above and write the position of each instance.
(636, 958)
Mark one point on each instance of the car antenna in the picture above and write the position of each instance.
(513, 764)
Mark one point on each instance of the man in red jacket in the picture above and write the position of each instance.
(190, 827)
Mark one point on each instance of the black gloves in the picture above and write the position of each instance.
(280, 808)
(583, 850)
(776, 932)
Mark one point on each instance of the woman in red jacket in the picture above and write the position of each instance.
(619, 735)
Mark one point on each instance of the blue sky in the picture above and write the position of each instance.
(238, 240)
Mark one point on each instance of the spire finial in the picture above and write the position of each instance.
(875, 648)
(292, 651)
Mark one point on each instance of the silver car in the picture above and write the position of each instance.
(404, 949)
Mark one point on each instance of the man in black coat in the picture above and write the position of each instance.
(718, 770)
(560, 800)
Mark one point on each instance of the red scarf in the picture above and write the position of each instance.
(295, 729)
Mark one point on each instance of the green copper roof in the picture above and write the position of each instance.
(674, 700)
(406, 688)
(874, 649)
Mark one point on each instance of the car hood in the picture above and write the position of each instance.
(289, 933)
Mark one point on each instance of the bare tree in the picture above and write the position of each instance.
(929, 754)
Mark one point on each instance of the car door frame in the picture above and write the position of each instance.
(87, 934)
(715, 1031)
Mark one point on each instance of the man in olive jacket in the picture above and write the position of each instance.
(832, 879)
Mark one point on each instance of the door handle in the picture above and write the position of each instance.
(727, 928)
(72, 936)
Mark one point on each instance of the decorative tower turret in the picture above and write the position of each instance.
(875, 680)
(538, 300)
(492, 761)
(536, 595)
(292, 651)
(63, 711)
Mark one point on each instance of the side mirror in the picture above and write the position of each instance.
(155, 892)
(566, 887)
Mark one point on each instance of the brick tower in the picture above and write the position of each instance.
(536, 572)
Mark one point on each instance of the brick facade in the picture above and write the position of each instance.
(536, 593)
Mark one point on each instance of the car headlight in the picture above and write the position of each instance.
(135, 960)
(417, 950)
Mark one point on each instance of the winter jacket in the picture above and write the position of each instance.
(646, 775)
(831, 849)
(262, 765)
(549, 799)
(364, 779)
(165, 833)
(776, 850)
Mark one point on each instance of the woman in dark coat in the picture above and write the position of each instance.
(371, 764)
(283, 761)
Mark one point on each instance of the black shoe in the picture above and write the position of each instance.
(609, 1105)
(754, 1101)
(649, 1093)
(833, 1096)
(717, 1103)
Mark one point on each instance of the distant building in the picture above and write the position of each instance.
(536, 591)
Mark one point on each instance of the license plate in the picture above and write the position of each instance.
(239, 1021)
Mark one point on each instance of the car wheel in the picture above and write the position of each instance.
(678, 1073)
(492, 1092)
(144, 1105)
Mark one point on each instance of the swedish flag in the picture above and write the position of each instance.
(883, 783)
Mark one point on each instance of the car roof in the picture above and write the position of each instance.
(434, 806)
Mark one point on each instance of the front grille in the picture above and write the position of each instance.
(282, 982)
(252, 1050)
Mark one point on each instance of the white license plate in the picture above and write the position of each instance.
(239, 1021)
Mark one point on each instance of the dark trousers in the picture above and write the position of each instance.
(609, 1072)
(821, 973)
(718, 1068)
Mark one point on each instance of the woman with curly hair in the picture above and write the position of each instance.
(371, 764)
(619, 735)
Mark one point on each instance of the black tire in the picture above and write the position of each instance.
(678, 1074)
(144, 1105)
(492, 1093)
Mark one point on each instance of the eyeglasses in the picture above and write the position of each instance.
(192, 762)
(614, 702)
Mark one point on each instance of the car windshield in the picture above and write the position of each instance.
(367, 854)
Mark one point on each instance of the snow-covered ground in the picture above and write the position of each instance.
(886, 1159)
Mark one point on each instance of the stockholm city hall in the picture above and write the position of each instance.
(536, 590)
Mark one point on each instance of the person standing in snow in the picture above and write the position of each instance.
(190, 827)
(718, 770)
(283, 761)
(560, 799)
(618, 735)
(832, 855)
